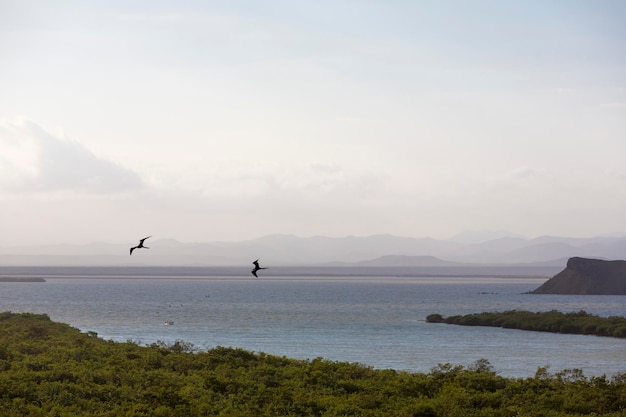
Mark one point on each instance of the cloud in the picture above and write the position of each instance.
(33, 160)
(523, 173)
(152, 17)
(617, 174)
(620, 105)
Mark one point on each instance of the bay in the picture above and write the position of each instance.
(375, 321)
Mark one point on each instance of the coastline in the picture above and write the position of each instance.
(21, 279)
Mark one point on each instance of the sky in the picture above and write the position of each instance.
(231, 120)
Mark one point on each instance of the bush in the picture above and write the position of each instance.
(434, 318)
(73, 373)
(552, 321)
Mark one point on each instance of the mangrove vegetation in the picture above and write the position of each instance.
(579, 322)
(53, 369)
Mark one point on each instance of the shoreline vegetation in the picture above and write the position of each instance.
(553, 321)
(49, 368)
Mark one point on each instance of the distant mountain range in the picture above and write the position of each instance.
(288, 250)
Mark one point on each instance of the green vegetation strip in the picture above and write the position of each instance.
(551, 321)
(52, 369)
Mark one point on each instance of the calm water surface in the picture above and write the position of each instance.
(374, 321)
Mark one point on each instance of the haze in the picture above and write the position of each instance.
(207, 121)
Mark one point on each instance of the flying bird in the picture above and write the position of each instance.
(140, 245)
(256, 268)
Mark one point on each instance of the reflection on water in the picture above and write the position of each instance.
(374, 321)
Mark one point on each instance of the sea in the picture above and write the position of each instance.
(377, 320)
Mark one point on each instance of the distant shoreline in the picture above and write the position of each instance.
(21, 279)
(276, 271)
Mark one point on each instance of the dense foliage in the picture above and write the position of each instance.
(52, 369)
(553, 321)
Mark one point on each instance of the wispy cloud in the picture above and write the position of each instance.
(620, 105)
(523, 173)
(613, 173)
(34, 160)
(152, 17)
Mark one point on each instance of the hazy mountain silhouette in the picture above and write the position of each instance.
(480, 236)
(406, 261)
(376, 250)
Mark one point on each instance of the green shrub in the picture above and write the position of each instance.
(552, 321)
(74, 373)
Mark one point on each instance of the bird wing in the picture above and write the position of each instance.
(256, 263)
(254, 273)
(141, 241)
(132, 249)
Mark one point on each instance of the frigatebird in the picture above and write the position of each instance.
(256, 268)
(140, 245)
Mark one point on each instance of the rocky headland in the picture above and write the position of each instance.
(587, 276)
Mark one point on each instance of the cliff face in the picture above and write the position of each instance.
(587, 276)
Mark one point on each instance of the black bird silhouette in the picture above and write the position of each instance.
(140, 245)
(256, 268)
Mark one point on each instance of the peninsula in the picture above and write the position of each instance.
(553, 321)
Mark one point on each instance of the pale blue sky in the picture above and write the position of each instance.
(216, 120)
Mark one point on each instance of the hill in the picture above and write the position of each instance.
(587, 276)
